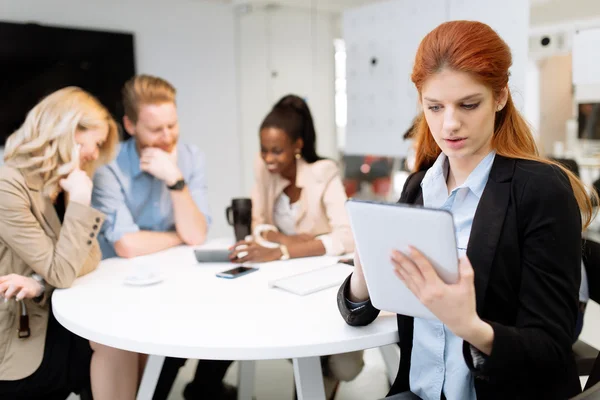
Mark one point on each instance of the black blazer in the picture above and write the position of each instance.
(525, 248)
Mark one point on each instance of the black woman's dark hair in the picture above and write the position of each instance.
(292, 115)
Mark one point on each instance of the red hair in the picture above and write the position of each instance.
(475, 48)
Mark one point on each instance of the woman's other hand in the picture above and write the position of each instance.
(20, 287)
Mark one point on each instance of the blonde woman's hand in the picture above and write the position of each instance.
(19, 286)
(79, 186)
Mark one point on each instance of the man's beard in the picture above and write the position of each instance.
(167, 148)
(164, 147)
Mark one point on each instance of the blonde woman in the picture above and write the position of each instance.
(47, 239)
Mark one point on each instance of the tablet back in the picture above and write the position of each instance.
(212, 255)
(379, 228)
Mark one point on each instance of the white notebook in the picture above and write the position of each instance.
(315, 280)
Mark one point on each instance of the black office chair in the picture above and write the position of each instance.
(569, 164)
(592, 393)
(403, 396)
(592, 387)
(594, 374)
(586, 355)
(591, 260)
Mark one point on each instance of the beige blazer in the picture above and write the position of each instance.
(321, 203)
(32, 240)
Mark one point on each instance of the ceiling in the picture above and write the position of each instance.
(560, 12)
(320, 5)
(543, 12)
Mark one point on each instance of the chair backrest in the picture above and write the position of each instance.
(569, 164)
(592, 393)
(591, 261)
(585, 357)
(594, 378)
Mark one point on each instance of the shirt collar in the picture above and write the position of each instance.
(437, 170)
(475, 182)
(302, 173)
(479, 176)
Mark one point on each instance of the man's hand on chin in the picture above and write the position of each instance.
(160, 164)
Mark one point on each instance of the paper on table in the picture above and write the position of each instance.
(315, 280)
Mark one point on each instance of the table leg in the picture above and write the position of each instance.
(391, 358)
(309, 378)
(246, 374)
(150, 378)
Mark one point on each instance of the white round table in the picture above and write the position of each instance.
(194, 314)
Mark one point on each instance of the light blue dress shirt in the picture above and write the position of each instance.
(133, 200)
(437, 363)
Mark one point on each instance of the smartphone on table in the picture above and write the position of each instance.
(236, 272)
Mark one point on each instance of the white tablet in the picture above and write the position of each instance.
(379, 228)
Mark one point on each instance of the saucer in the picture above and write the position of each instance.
(143, 280)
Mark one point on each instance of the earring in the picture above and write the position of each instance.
(298, 156)
(499, 108)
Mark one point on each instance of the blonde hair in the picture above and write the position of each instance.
(45, 143)
(145, 89)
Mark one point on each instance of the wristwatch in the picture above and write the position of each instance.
(179, 185)
(285, 254)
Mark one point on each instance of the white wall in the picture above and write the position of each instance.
(382, 101)
(282, 51)
(586, 57)
(510, 18)
(191, 44)
(531, 108)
